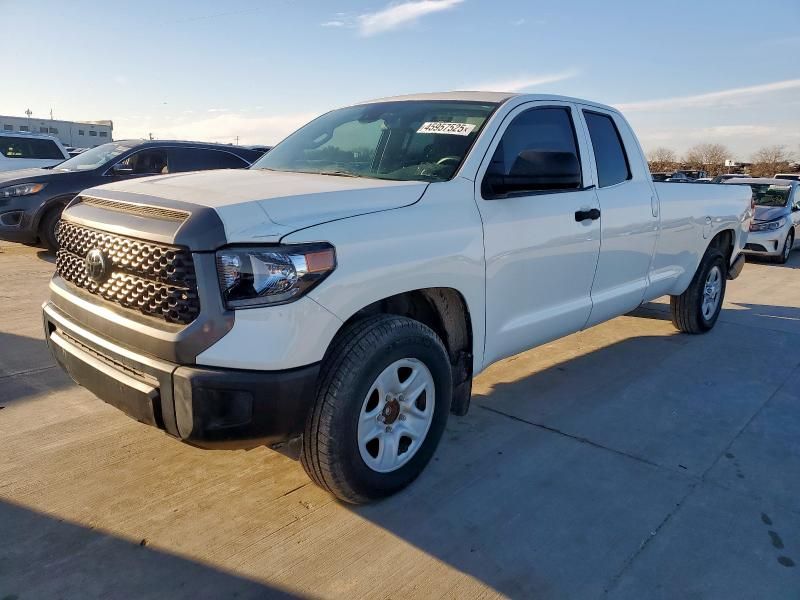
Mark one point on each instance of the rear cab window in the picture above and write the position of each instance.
(610, 157)
(30, 148)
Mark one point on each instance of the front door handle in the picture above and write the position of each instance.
(582, 215)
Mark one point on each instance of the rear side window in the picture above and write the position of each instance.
(19, 147)
(199, 159)
(609, 153)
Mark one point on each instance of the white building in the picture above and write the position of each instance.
(78, 134)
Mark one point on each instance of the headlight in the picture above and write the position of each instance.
(269, 275)
(768, 225)
(23, 189)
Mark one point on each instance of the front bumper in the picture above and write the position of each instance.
(207, 407)
(766, 243)
(17, 219)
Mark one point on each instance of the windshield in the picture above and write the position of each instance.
(402, 141)
(94, 158)
(770, 195)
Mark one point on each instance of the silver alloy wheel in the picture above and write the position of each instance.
(396, 415)
(711, 293)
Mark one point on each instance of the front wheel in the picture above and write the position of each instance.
(696, 310)
(382, 405)
(787, 248)
(48, 228)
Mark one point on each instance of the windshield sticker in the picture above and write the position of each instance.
(446, 128)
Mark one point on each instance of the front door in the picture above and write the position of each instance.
(541, 241)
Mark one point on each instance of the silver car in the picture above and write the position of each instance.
(773, 230)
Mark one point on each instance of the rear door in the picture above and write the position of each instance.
(629, 223)
(541, 243)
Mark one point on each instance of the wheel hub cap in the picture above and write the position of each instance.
(712, 292)
(396, 415)
(390, 412)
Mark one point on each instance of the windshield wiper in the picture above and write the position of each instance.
(339, 173)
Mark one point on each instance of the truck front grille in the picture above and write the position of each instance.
(155, 279)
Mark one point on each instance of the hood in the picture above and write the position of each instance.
(28, 175)
(256, 203)
(770, 213)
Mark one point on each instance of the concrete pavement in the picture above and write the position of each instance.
(626, 461)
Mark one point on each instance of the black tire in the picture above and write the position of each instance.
(788, 243)
(48, 227)
(331, 455)
(686, 309)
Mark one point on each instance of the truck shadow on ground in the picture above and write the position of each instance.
(557, 477)
(27, 369)
(511, 503)
(47, 557)
(766, 315)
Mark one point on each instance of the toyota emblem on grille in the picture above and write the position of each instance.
(96, 265)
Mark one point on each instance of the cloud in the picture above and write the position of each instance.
(225, 128)
(731, 97)
(523, 82)
(518, 22)
(217, 110)
(400, 14)
(333, 23)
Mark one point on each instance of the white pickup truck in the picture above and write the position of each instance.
(336, 300)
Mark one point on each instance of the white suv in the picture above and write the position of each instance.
(29, 150)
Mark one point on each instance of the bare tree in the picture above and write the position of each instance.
(710, 157)
(770, 160)
(662, 159)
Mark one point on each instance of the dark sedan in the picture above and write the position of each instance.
(31, 200)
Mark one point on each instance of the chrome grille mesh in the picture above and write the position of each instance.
(155, 279)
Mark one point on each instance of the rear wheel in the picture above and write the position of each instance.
(48, 228)
(787, 249)
(697, 309)
(382, 405)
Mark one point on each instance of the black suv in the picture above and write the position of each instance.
(31, 200)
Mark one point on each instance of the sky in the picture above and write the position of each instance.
(683, 72)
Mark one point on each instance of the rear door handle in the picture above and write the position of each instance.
(582, 215)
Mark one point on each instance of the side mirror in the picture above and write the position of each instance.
(121, 169)
(535, 171)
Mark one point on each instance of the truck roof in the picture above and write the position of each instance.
(477, 96)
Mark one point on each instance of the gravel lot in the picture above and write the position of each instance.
(626, 461)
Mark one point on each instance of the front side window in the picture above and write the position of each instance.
(409, 140)
(609, 152)
(537, 153)
(152, 161)
(19, 147)
(94, 158)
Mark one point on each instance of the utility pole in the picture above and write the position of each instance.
(29, 113)
(51, 113)
(237, 140)
(150, 135)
